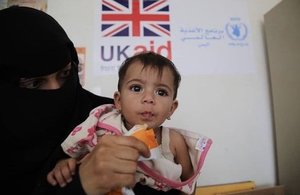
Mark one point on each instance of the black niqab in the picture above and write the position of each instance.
(34, 122)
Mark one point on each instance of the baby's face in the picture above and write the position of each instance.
(146, 97)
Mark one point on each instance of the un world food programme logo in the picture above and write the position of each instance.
(236, 30)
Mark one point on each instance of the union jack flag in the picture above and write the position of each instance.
(135, 18)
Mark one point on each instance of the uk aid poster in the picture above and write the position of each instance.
(199, 36)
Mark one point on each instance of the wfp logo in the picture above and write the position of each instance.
(236, 30)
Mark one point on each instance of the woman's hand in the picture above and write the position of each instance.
(112, 164)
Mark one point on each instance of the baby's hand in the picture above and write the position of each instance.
(62, 172)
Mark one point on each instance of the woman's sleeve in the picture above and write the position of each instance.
(74, 187)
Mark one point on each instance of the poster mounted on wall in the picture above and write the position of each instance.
(81, 52)
(210, 39)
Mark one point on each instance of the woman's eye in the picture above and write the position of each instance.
(31, 84)
(65, 73)
(162, 92)
(136, 88)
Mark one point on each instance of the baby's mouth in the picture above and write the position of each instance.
(147, 115)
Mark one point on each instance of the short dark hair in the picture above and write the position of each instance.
(153, 60)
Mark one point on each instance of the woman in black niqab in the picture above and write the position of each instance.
(35, 122)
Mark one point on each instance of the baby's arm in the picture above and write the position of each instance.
(181, 155)
(62, 172)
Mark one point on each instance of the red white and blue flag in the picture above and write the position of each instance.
(135, 18)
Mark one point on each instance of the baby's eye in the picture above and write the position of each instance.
(162, 92)
(136, 88)
(31, 83)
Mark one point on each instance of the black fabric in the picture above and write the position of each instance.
(32, 44)
(34, 122)
(140, 189)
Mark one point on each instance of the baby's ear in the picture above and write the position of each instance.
(173, 108)
(117, 100)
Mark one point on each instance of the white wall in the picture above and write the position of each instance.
(233, 109)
